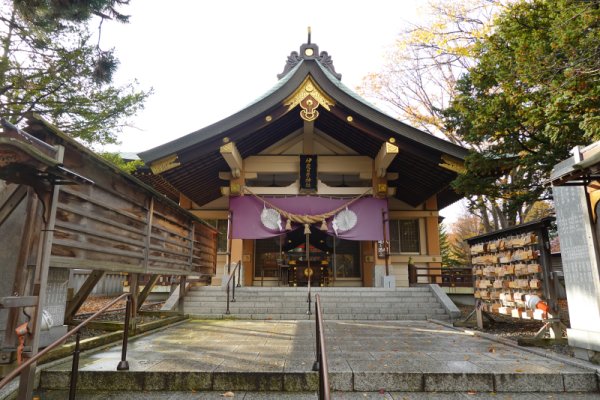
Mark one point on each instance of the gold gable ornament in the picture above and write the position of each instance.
(309, 96)
(452, 164)
(164, 164)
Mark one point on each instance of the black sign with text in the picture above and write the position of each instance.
(308, 173)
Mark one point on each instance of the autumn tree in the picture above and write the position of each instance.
(533, 95)
(466, 226)
(418, 78)
(50, 63)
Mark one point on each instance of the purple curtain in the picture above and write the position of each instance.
(246, 223)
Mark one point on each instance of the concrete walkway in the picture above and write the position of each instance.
(398, 357)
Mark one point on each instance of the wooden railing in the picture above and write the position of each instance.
(122, 366)
(445, 277)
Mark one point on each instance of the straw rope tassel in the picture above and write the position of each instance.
(306, 229)
(323, 225)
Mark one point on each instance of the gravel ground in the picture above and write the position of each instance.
(115, 313)
(513, 328)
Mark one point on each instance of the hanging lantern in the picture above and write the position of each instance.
(288, 225)
(324, 226)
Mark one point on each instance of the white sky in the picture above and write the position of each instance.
(208, 59)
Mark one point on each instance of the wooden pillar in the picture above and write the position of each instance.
(368, 262)
(182, 293)
(27, 245)
(134, 286)
(433, 239)
(248, 261)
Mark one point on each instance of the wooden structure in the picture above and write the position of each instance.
(312, 137)
(512, 274)
(62, 207)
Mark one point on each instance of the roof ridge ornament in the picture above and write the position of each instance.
(309, 96)
(309, 51)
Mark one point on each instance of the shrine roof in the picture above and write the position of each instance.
(351, 120)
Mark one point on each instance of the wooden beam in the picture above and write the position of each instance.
(18, 301)
(233, 158)
(12, 202)
(227, 176)
(294, 189)
(384, 158)
(350, 165)
(308, 137)
(146, 291)
(82, 294)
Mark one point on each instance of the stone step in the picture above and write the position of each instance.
(312, 395)
(277, 356)
(360, 376)
(341, 317)
(287, 303)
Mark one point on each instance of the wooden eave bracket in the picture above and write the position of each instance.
(384, 158)
(165, 164)
(452, 164)
(233, 158)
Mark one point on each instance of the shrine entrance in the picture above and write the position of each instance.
(330, 261)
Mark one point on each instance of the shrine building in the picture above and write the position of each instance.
(312, 181)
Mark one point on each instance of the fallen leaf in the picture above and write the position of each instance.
(471, 392)
(492, 349)
(228, 394)
(467, 358)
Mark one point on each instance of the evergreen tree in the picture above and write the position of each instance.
(448, 257)
(49, 65)
(532, 97)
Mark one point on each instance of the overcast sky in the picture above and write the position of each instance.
(206, 60)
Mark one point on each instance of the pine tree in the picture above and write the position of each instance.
(49, 65)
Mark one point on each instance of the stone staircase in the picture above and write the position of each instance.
(290, 303)
(203, 359)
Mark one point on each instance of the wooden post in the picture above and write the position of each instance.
(30, 227)
(27, 379)
(229, 227)
(479, 313)
(182, 293)
(386, 245)
(147, 239)
(134, 286)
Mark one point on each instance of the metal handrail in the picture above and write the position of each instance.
(123, 364)
(309, 299)
(232, 277)
(321, 356)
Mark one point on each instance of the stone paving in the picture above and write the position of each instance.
(399, 357)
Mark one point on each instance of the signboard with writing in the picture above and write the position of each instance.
(380, 249)
(308, 173)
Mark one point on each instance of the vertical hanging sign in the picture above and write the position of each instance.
(308, 173)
